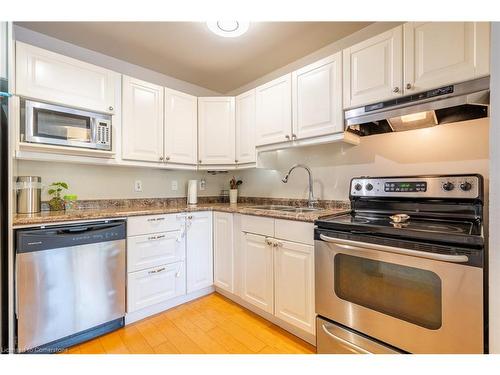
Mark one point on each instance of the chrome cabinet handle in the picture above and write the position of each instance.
(395, 89)
(268, 242)
(157, 271)
(235, 160)
(110, 108)
(287, 136)
(190, 217)
(152, 238)
(161, 157)
(199, 161)
(356, 348)
(278, 244)
(294, 137)
(167, 158)
(355, 245)
(408, 86)
(156, 219)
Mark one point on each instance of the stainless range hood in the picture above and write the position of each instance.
(460, 102)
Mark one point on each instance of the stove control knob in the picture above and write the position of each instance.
(358, 187)
(369, 187)
(448, 186)
(465, 186)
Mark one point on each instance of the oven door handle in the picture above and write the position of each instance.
(356, 348)
(355, 245)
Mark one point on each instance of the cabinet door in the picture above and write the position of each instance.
(216, 130)
(317, 98)
(155, 285)
(294, 284)
(245, 127)
(223, 251)
(142, 122)
(51, 77)
(441, 53)
(181, 127)
(155, 249)
(274, 111)
(257, 272)
(199, 251)
(373, 69)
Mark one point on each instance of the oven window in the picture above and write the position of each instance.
(406, 293)
(58, 125)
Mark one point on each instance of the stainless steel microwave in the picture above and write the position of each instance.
(62, 126)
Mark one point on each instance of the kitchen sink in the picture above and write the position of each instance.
(274, 207)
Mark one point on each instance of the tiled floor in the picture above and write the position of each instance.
(212, 324)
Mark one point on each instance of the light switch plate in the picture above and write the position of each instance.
(138, 185)
(175, 185)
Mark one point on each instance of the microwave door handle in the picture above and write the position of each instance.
(93, 130)
(355, 245)
(356, 348)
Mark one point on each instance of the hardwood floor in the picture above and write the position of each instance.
(211, 324)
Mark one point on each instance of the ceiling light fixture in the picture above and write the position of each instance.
(228, 29)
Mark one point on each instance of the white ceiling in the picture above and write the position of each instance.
(190, 52)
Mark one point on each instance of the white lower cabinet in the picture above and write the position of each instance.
(257, 272)
(155, 285)
(294, 284)
(277, 275)
(199, 251)
(223, 251)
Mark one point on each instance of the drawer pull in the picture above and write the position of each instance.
(152, 238)
(156, 219)
(157, 271)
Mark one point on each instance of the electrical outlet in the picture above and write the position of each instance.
(138, 185)
(203, 184)
(175, 185)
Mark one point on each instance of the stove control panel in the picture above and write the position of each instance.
(453, 186)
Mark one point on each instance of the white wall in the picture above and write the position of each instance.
(494, 240)
(101, 182)
(452, 148)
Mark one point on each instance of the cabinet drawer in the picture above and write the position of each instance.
(152, 250)
(257, 225)
(295, 231)
(138, 225)
(154, 285)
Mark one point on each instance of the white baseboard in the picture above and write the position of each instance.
(160, 307)
(306, 336)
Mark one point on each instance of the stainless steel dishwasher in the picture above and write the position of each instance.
(70, 284)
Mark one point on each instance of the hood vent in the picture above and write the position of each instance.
(464, 101)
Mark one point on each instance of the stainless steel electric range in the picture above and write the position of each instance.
(404, 270)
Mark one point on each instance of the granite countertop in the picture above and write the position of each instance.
(119, 211)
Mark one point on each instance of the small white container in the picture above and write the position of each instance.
(233, 196)
(192, 193)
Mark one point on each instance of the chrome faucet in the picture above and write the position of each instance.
(311, 202)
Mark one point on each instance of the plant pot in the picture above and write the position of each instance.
(57, 204)
(233, 196)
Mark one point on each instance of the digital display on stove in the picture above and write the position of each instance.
(405, 187)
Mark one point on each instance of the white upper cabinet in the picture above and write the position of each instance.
(142, 121)
(373, 69)
(274, 111)
(216, 130)
(245, 128)
(181, 127)
(294, 284)
(441, 53)
(51, 77)
(199, 251)
(223, 251)
(317, 98)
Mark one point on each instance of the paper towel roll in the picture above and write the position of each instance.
(192, 193)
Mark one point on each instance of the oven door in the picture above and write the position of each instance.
(399, 296)
(56, 125)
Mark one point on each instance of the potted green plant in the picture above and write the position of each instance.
(56, 203)
(233, 192)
